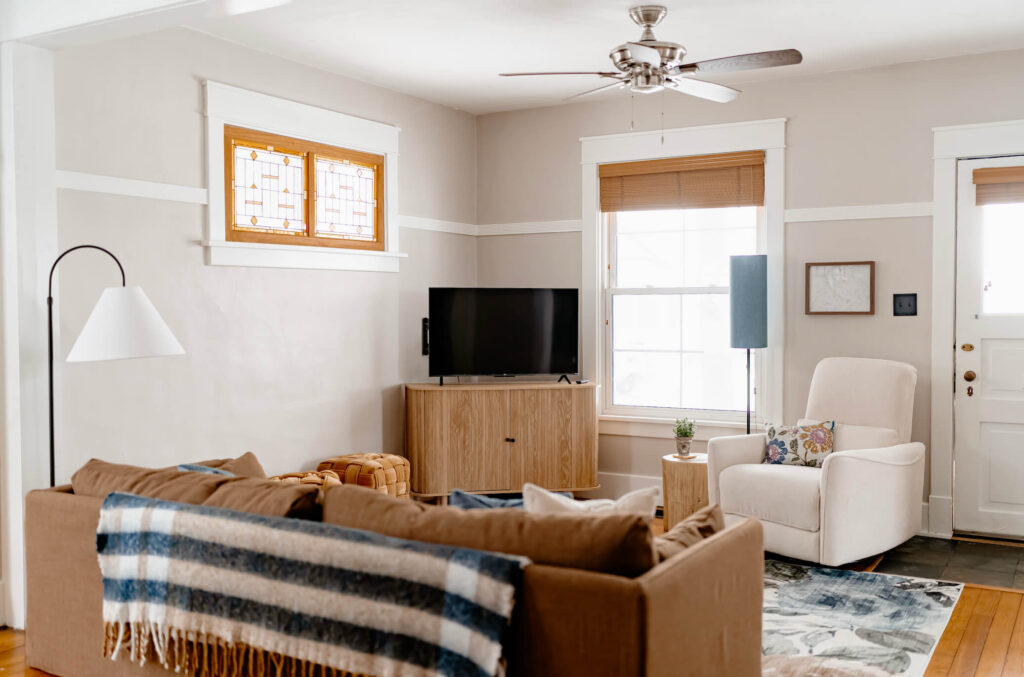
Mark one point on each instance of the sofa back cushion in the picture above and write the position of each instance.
(690, 531)
(246, 465)
(614, 544)
(267, 497)
(99, 478)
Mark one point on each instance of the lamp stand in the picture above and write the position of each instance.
(49, 313)
(748, 391)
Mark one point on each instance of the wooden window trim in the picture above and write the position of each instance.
(310, 150)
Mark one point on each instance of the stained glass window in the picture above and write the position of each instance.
(290, 191)
(270, 187)
(345, 199)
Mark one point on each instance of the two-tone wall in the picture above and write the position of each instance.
(295, 365)
(858, 139)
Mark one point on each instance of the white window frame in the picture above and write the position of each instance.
(766, 135)
(609, 290)
(243, 108)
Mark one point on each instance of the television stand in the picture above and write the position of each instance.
(564, 377)
(494, 437)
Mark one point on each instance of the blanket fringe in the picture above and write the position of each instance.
(204, 655)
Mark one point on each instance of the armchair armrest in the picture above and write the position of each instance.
(870, 501)
(731, 450)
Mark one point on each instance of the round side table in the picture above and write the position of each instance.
(684, 486)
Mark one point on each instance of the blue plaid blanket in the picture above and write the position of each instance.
(206, 590)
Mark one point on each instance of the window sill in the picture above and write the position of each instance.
(258, 255)
(661, 428)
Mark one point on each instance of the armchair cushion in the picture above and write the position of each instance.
(847, 436)
(784, 494)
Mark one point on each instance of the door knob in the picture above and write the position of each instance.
(970, 376)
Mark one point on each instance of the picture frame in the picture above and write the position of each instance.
(839, 288)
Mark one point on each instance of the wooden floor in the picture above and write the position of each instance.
(985, 636)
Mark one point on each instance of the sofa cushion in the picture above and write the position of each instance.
(707, 521)
(614, 543)
(267, 497)
(246, 465)
(849, 436)
(99, 478)
(784, 494)
(640, 501)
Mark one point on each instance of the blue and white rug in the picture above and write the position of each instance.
(834, 622)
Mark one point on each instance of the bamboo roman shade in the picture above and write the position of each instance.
(999, 185)
(695, 182)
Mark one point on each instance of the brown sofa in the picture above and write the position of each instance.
(697, 613)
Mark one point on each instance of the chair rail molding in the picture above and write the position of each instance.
(950, 145)
(766, 135)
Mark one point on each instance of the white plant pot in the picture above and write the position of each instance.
(683, 446)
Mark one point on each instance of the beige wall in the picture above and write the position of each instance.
(517, 261)
(296, 365)
(853, 138)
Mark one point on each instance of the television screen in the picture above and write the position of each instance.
(478, 331)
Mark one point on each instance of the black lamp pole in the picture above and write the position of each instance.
(49, 312)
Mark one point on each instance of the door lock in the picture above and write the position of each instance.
(969, 376)
(970, 391)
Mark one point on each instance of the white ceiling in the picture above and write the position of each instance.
(450, 51)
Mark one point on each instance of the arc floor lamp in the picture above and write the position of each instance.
(123, 325)
(748, 307)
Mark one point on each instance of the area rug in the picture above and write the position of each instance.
(838, 623)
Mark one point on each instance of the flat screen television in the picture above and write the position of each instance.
(481, 331)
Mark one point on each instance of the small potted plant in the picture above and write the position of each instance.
(683, 430)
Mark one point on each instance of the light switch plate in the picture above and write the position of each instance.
(904, 305)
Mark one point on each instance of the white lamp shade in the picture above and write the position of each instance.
(123, 325)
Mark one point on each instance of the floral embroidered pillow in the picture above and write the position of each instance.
(806, 445)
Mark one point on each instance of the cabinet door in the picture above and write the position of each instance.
(541, 424)
(478, 455)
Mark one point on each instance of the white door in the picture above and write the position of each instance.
(988, 491)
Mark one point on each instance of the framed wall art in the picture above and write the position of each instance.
(840, 288)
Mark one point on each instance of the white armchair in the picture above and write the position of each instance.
(865, 499)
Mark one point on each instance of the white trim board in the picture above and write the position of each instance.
(115, 185)
(878, 211)
(951, 144)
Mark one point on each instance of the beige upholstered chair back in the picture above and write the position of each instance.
(864, 392)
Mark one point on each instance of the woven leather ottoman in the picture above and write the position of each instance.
(387, 473)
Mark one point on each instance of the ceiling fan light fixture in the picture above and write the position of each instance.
(646, 82)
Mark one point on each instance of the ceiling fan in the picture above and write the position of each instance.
(651, 65)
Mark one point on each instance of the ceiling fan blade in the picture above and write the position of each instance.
(743, 62)
(602, 74)
(643, 54)
(704, 90)
(595, 90)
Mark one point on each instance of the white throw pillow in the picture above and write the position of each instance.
(642, 501)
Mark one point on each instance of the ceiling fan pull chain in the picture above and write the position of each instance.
(662, 95)
(632, 111)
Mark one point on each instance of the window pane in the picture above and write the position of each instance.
(345, 199)
(646, 322)
(673, 350)
(713, 374)
(1002, 240)
(269, 186)
(682, 247)
(643, 379)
